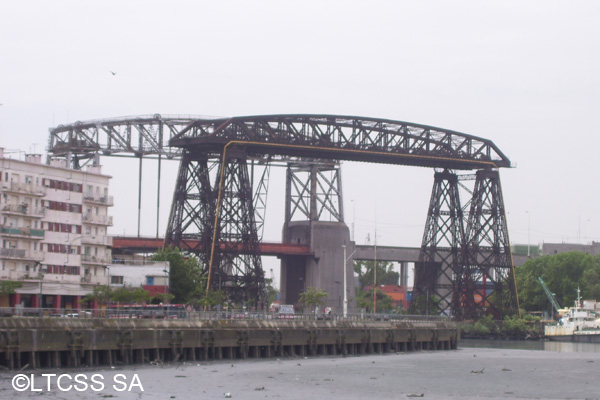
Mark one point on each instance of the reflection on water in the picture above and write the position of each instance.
(559, 347)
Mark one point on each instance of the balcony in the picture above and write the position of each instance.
(97, 240)
(106, 220)
(95, 260)
(24, 188)
(12, 253)
(23, 233)
(97, 199)
(11, 275)
(20, 254)
(23, 210)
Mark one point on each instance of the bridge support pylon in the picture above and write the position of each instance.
(219, 190)
(488, 258)
(441, 250)
(314, 216)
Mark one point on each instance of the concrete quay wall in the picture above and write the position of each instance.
(55, 343)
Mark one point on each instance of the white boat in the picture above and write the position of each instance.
(577, 324)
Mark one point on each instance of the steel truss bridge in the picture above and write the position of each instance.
(465, 268)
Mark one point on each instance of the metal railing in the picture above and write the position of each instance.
(96, 198)
(176, 313)
(89, 259)
(98, 219)
(24, 209)
(23, 231)
(29, 188)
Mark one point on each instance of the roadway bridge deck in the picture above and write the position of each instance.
(136, 244)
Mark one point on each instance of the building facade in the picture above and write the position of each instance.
(152, 276)
(53, 231)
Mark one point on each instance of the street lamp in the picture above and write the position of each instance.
(528, 233)
(165, 291)
(345, 304)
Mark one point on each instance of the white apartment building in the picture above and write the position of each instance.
(53, 231)
(152, 276)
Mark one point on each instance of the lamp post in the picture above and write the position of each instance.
(40, 277)
(528, 233)
(165, 290)
(345, 304)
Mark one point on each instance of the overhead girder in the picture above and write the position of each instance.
(140, 136)
(453, 279)
(315, 136)
(344, 138)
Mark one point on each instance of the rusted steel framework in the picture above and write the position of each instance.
(145, 136)
(439, 270)
(344, 138)
(214, 214)
(491, 287)
(467, 266)
(313, 192)
(198, 203)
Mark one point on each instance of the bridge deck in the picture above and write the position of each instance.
(150, 245)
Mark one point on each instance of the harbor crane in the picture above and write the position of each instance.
(550, 295)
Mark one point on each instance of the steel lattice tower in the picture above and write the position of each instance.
(441, 250)
(490, 287)
(468, 269)
(204, 188)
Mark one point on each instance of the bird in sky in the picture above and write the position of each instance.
(114, 73)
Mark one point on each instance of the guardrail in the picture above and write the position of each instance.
(175, 312)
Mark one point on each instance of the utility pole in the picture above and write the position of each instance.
(375, 276)
(345, 304)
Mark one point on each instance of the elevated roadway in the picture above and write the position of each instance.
(134, 244)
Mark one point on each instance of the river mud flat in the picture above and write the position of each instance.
(466, 373)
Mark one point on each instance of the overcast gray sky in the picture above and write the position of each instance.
(524, 74)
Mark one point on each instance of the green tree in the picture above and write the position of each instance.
(311, 298)
(385, 273)
(272, 292)
(129, 295)
(563, 273)
(214, 298)
(364, 300)
(160, 298)
(100, 294)
(422, 305)
(187, 283)
(8, 287)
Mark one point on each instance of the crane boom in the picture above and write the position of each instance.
(549, 294)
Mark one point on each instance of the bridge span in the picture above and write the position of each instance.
(135, 244)
(219, 202)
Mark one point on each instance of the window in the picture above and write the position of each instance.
(116, 280)
(150, 280)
